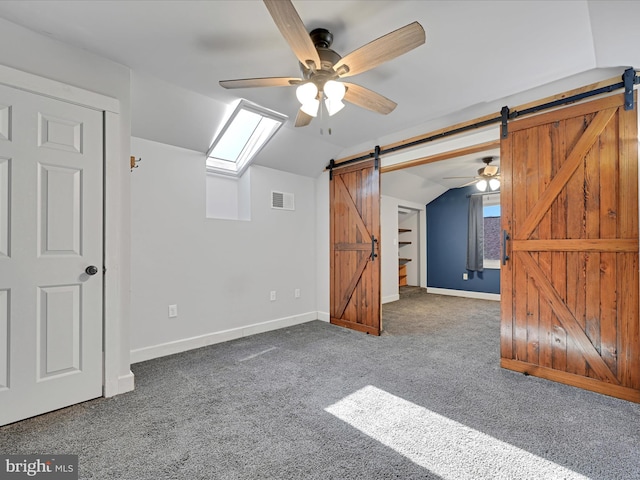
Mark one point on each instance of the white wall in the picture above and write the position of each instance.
(218, 272)
(389, 249)
(229, 198)
(322, 246)
(40, 55)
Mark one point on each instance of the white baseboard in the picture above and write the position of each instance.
(324, 316)
(464, 293)
(123, 384)
(391, 298)
(178, 346)
(126, 383)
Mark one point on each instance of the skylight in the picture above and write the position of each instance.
(248, 129)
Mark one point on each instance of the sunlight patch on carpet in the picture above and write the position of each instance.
(447, 448)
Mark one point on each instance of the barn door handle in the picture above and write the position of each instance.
(373, 248)
(505, 237)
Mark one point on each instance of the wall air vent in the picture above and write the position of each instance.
(282, 201)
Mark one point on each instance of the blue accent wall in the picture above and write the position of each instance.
(447, 218)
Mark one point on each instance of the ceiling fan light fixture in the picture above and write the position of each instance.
(334, 90)
(310, 107)
(333, 106)
(494, 184)
(306, 93)
(482, 185)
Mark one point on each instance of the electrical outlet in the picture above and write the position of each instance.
(465, 276)
(272, 295)
(296, 293)
(173, 311)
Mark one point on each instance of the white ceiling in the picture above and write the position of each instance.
(478, 55)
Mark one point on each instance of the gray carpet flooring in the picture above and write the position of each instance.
(426, 400)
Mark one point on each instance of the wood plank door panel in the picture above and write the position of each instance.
(570, 208)
(354, 239)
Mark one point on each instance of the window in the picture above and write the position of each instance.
(491, 217)
(248, 129)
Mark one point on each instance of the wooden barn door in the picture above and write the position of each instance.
(570, 286)
(355, 235)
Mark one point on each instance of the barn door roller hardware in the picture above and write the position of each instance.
(504, 119)
(629, 79)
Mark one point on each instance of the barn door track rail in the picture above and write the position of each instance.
(628, 81)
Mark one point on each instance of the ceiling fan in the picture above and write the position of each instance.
(488, 176)
(322, 67)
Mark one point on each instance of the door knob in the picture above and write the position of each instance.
(91, 270)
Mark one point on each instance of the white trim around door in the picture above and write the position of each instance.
(114, 380)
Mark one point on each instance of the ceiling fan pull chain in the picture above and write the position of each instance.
(323, 108)
(322, 114)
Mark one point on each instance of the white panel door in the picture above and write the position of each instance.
(51, 168)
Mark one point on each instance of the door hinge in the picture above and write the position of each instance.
(104, 270)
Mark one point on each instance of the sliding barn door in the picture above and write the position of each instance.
(355, 234)
(570, 286)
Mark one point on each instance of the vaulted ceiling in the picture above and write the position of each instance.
(478, 56)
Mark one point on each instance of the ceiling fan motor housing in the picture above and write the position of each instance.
(322, 39)
(489, 170)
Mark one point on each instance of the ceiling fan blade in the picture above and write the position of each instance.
(260, 82)
(302, 119)
(293, 30)
(365, 98)
(450, 178)
(382, 49)
(468, 183)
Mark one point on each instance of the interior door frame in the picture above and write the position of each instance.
(113, 298)
(476, 142)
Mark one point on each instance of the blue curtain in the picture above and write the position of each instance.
(475, 234)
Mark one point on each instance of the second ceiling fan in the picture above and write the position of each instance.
(488, 176)
(322, 68)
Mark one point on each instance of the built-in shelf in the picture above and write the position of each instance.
(402, 262)
(402, 275)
